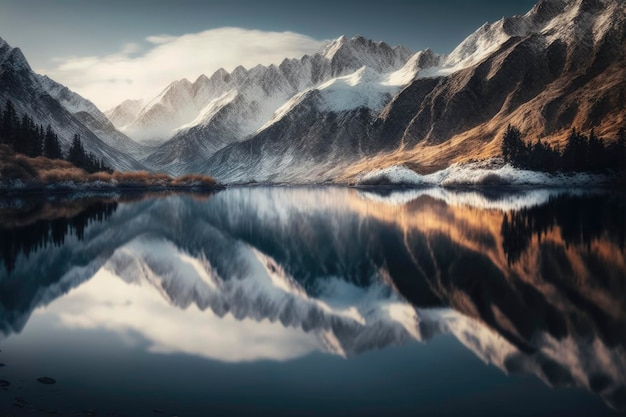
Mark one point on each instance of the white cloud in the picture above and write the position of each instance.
(109, 80)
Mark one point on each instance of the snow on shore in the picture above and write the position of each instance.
(476, 174)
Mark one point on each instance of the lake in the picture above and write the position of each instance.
(316, 301)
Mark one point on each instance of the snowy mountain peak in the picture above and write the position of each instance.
(359, 51)
(240, 102)
(239, 72)
(331, 49)
(221, 75)
(124, 113)
(424, 59)
(566, 19)
(177, 85)
(202, 79)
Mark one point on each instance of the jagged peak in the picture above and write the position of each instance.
(129, 103)
(358, 41)
(173, 88)
(14, 55)
(202, 79)
(18, 59)
(220, 73)
(547, 9)
(182, 83)
(239, 69)
(333, 46)
(425, 58)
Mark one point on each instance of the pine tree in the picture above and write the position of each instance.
(595, 153)
(621, 150)
(9, 124)
(76, 153)
(575, 155)
(51, 146)
(512, 145)
(2, 137)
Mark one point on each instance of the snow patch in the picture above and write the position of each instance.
(363, 88)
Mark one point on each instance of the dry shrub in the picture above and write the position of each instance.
(64, 174)
(194, 179)
(100, 176)
(14, 166)
(141, 179)
(41, 171)
(15, 170)
(44, 164)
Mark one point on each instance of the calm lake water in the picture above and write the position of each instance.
(315, 302)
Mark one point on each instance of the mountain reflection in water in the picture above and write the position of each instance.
(532, 282)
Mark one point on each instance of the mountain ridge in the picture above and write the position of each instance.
(357, 105)
(231, 106)
(360, 105)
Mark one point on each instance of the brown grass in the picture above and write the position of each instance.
(39, 172)
(194, 179)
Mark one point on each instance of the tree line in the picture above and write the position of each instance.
(581, 152)
(26, 137)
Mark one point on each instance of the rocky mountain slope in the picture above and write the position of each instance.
(561, 65)
(48, 102)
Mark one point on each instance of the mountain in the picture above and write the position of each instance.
(124, 113)
(194, 120)
(561, 65)
(359, 105)
(48, 102)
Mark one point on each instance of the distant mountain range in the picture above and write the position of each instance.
(360, 105)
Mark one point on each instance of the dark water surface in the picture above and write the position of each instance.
(314, 302)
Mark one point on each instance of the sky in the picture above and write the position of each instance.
(109, 51)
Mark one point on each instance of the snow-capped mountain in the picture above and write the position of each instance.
(360, 105)
(48, 102)
(125, 113)
(561, 65)
(197, 119)
(352, 272)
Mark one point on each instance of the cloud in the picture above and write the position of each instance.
(141, 71)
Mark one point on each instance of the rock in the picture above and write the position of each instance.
(46, 380)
